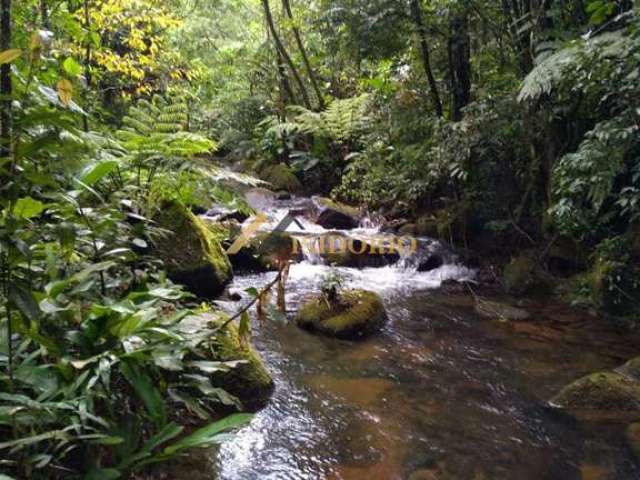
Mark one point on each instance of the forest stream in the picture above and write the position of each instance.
(440, 392)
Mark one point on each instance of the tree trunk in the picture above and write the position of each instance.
(459, 50)
(303, 52)
(285, 55)
(87, 64)
(44, 12)
(5, 81)
(520, 42)
(416, 15)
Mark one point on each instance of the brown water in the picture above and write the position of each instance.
(439, 390)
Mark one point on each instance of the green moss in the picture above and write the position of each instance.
(192, 255)
(327, 203)
(281, 177)
(358, 313)
(250, 381)
(605, 391)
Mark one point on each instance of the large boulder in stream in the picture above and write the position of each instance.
(354, 314)
(190, 252)
(336, 215)
(523, 275)
(281, 178)
(260, 199)
(601, 396)
(631, 369)
(265, 251)
(249, 381)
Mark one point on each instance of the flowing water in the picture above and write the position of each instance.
(439, 390)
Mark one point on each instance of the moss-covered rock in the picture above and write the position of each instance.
(250, 381)
(631, 368)
(336, 215)
(605, 394)
(191, 253)
(356, 314)
(265, 251)
(523, 275)
(281, 177)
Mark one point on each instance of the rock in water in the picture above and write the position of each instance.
(249, 381)
(356, 314)
(260, 199)
(190, 252)
(281, 177)
(604, 395)
(500, 311)
(336, 215)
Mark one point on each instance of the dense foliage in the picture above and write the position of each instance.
(504, 126)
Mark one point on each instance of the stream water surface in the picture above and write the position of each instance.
(439, 392)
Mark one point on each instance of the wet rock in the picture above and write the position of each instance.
(283, 195)
(191, 254)
(432, 262)
(260, 198)
(338, 249)
(393, 226)
(220, 213)
(632, 435)
(605, 395)
(408, 229)
(523, 275)
(281, 177)
(265, 252)
(631, 368)
(500, 311)
(336, 215)
(427, 226)
(357, 313)
(249, 381)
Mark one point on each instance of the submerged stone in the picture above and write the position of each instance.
(500, 311)
(356, 314)
(191, 253)
(605, 395)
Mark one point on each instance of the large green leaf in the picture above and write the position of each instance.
(209, 435)
(147, 392)
(28, 207)
(94, 173)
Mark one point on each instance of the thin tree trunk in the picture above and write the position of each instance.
(303, 52)
(6, 87)
(44, 12)
(285, 55)
(87, 64)
(459, 50)
(416, 14)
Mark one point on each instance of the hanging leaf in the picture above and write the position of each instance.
(23, 300)
(244, 330)
(210, 434)
(9, 56)
(65, 92)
